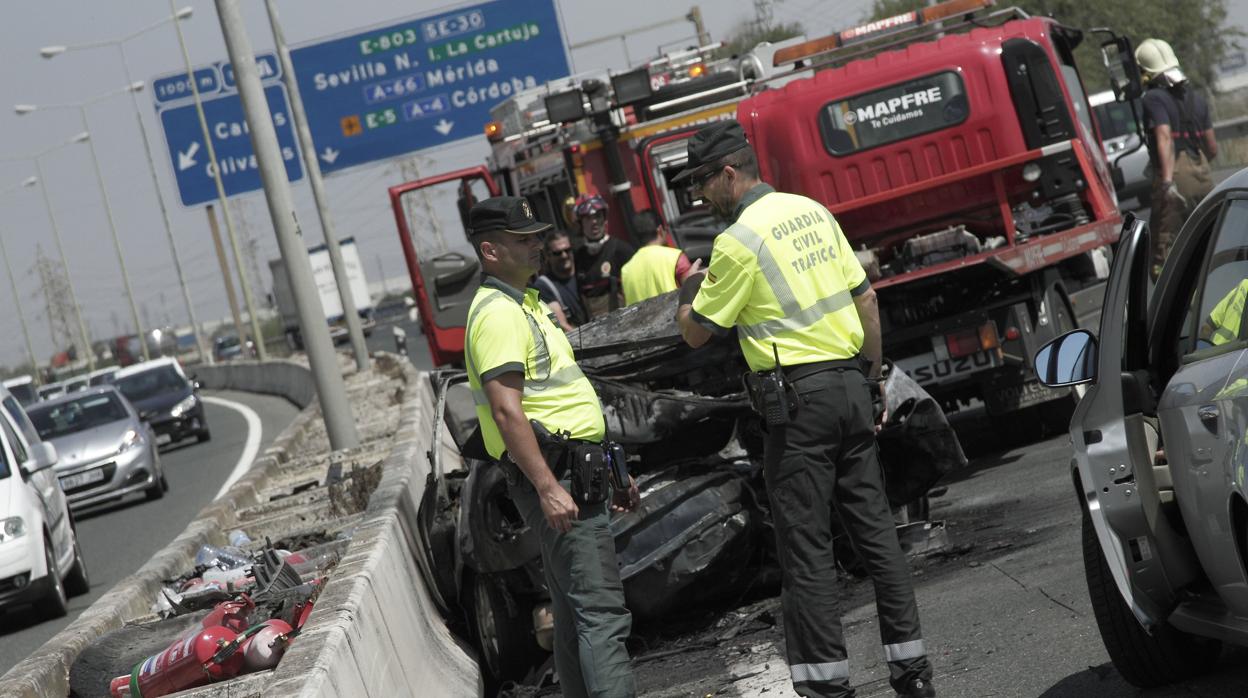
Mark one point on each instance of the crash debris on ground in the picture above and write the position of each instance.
(250, 593)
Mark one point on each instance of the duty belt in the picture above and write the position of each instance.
(800, 371)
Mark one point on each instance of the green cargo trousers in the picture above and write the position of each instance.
(583, 577)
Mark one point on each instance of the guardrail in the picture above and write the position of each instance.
(375, 631)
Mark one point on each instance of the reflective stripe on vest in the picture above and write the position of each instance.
(532, 386)
(795, 316)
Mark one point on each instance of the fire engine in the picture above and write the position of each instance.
(955, 145)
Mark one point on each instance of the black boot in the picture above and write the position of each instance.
(918, 688)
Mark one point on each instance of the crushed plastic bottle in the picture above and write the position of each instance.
(226, 558)
(239, 539)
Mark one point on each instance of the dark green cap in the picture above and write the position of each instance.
(509, 213)
(711, 143)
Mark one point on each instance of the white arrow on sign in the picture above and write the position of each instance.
(329, 155)
(444, 127)
(187, 160)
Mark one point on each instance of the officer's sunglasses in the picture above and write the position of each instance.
(700, 181)
(560, 253)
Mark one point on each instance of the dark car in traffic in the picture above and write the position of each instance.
(165, 398)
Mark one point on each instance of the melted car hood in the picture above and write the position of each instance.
(76, 449)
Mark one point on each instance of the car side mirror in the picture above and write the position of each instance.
(42, 456)
(1068, 360)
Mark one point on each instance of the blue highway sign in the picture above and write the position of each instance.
(232, 141)
(425, 81)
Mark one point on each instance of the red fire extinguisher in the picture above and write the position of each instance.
(197, 657)
(263, 648)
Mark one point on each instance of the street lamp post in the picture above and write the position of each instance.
(60, 249)
(256, 333)
(53, 51)
(17, 298)
(108, 209)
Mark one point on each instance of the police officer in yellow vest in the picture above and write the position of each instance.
(655, 268)
(538, 415)
(785, 276)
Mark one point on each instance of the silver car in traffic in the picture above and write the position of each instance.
(106, 452)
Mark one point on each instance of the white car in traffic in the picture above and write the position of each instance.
(40, 560)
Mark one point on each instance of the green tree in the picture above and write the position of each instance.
(1195, 28)
(747, 35)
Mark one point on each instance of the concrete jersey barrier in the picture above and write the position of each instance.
(375, 630)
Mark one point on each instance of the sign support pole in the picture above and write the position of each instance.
(331, 390)
(313, 167)
(225, 274)
(257, 336)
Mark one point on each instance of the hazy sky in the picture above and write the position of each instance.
(358, 197)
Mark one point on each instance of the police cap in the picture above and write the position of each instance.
(507, 213)
(711, 143)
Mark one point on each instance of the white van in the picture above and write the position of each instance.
(40, 560)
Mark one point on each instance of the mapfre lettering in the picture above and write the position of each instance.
(931, 95)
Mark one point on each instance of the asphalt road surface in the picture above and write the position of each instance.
(118, 538)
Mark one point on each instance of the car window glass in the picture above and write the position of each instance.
(19, 451)
(145, 384)
(20, 419)
(1224, 288)
(64, 418)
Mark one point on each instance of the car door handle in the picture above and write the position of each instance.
(1208, 415)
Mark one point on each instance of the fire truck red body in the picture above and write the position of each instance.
(960, 158)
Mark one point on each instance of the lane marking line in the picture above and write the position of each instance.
(254, 432)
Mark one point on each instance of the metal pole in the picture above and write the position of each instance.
(69, 280)
(17, 303)
(257, 335)
(225, 274)
(112, 226)
(313, 166)
(331, 390)
(204, 354)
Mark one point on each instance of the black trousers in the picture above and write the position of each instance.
(826, 456)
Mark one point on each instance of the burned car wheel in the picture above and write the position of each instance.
(1143, 660)
(502, 623)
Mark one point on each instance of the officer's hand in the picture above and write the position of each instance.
(1172, 191)
(559, 508)
(882, 419)
(626, 500)
(689, 288)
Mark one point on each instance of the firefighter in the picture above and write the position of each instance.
(556, 285)
(600, 257)
(1180, 144)
(527, 387)
(785, 276)
(655, 268)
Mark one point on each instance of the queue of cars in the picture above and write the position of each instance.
(96, 443)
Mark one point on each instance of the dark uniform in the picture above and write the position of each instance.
(785, 276)
(1185, 111)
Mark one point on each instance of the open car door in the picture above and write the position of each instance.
(1115, 438)
(444, 270)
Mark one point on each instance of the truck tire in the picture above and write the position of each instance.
(1143, 660)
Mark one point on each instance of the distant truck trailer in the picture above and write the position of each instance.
(327, 289)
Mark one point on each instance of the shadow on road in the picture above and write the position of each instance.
(1103, 681)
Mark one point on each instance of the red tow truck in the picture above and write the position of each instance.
(954, 144)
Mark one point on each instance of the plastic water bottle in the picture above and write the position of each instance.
(239, 539)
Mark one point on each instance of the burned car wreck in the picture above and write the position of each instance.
(701, 537)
